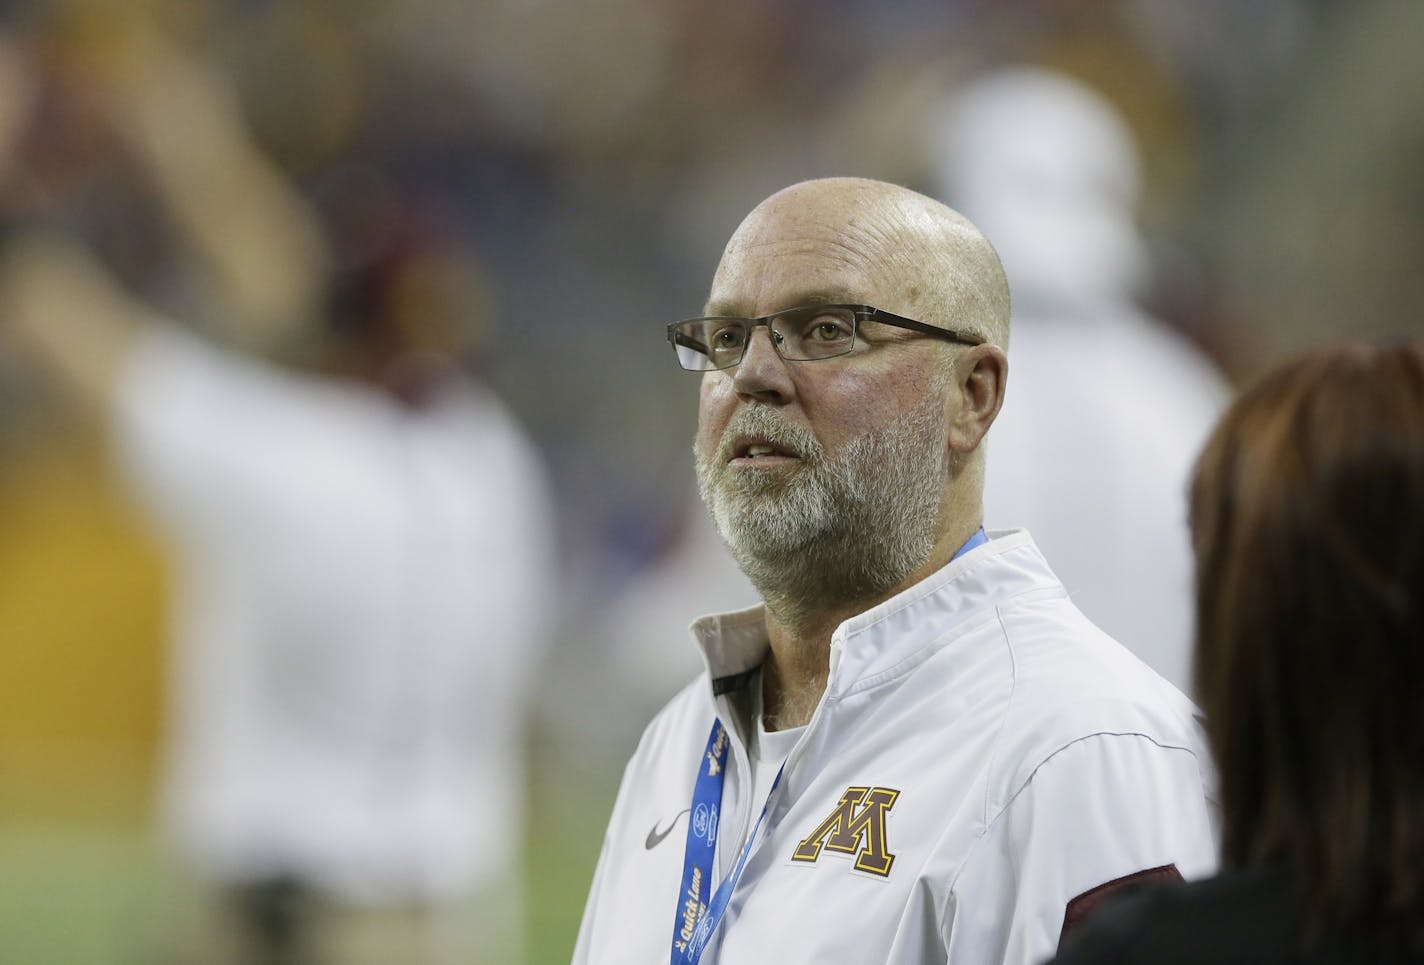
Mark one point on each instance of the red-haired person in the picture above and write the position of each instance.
(1308, 526)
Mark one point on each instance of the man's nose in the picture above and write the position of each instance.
(763, 374)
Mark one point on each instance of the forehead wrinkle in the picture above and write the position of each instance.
(799, 298)
(834, 272)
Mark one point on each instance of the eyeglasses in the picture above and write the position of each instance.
(804, 334)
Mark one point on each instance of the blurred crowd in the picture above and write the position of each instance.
(591, 157)
(553, 181)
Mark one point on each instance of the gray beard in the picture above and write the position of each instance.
(834, 530)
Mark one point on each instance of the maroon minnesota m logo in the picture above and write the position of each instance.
(856, 826)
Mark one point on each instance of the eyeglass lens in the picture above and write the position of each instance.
(799, 335)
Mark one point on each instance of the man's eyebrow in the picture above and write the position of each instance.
(800, 300)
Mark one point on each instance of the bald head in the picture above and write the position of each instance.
(853, 239)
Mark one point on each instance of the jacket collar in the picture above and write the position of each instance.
(954, 598)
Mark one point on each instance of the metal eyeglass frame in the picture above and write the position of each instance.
(860, 313)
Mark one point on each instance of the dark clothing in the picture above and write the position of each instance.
(1238, 918)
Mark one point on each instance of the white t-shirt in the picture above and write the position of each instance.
(357, 620)
(766, 752)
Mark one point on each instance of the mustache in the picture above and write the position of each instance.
(772, 426)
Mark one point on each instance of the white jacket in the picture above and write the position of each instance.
(1001, 756)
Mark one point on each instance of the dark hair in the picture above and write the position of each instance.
(1307, 514)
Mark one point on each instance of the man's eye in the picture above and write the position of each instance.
(825, 329)
(724, 338)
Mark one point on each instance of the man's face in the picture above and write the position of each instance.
(826, 475)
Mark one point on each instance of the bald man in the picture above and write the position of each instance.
(916, 749)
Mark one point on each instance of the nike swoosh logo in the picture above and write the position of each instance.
(655, 837)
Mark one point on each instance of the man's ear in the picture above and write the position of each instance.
(980, 374)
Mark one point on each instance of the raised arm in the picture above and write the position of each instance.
(260, 240)
(67, 315)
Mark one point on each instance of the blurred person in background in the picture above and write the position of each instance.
(1093, 449)
(1307, 515)
(362, 537)
(917, 749)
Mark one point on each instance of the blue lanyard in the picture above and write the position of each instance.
(696, 920)
(978, 539)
